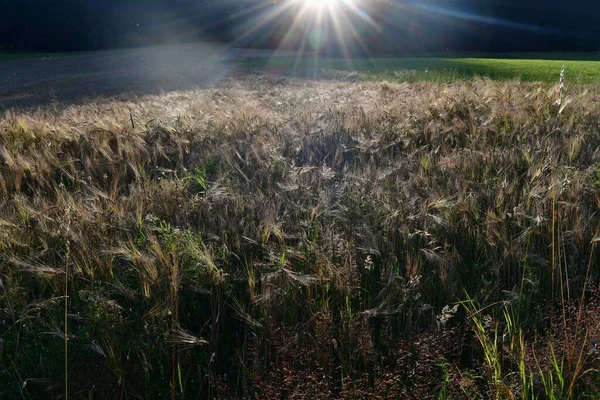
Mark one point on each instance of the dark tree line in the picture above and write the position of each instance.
(56, 25)
(403, 25)
(491, 25)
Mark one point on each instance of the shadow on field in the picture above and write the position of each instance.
(77, 78)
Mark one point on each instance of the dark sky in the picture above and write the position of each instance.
(387, 26)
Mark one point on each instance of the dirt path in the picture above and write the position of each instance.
(69, 79)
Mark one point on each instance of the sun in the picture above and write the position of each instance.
(317, 4)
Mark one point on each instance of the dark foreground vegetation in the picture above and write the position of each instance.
(286, 238)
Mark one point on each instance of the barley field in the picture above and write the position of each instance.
(281, 237)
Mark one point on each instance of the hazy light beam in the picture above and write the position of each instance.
(484, 19)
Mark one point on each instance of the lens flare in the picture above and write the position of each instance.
(342, 28)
